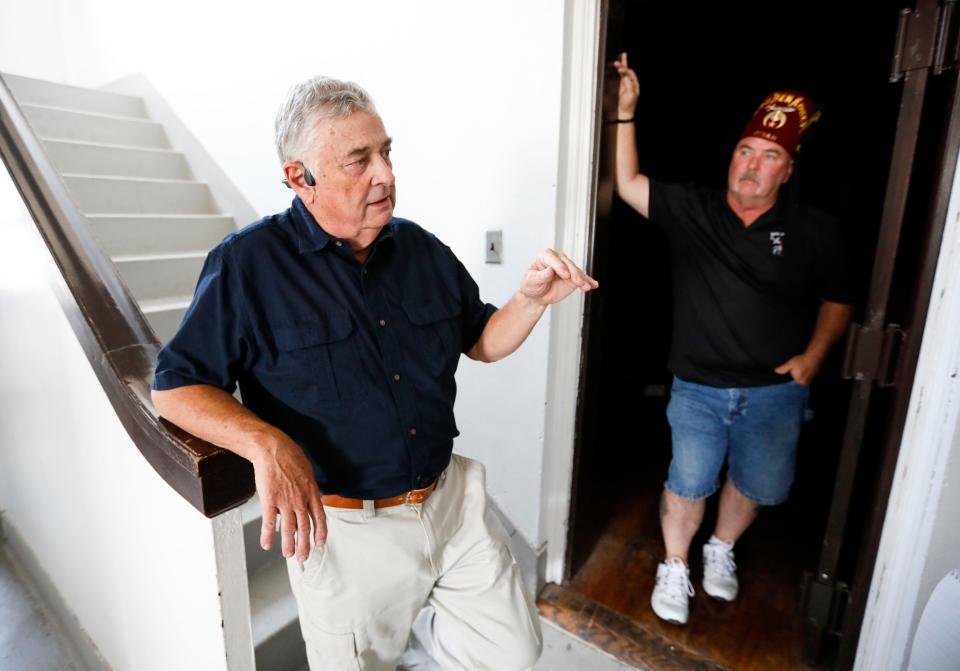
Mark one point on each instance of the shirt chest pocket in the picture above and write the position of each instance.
(319, 358)
(436, 328)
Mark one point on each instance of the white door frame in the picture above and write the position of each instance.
(933, 419)
(933, 415)
(576, 186)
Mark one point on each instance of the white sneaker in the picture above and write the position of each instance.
(671, 596)
(719, 570)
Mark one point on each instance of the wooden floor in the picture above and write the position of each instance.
(608, 600)
(618, 635)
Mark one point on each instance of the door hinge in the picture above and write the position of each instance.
(824, 602)
(926, 39)
(873, 354)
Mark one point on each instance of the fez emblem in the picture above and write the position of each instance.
(776, 116)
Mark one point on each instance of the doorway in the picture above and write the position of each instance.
(702, 73)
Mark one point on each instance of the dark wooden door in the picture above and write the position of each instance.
(883, 347)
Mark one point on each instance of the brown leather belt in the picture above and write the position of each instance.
(413, 496)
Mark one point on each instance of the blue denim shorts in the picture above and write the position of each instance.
(754, 428)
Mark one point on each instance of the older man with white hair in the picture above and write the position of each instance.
(343, 326)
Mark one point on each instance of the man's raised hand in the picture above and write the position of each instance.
(629, 88)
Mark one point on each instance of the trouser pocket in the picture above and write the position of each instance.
(330, 652)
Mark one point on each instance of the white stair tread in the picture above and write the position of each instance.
(66, 124)
(162, 304)
(44, 92)
(141, 215)
(109, 145)
(132, 258)
(88, 113)
(272, 604)
(122, 178)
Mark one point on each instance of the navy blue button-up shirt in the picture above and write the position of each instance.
(354, 362)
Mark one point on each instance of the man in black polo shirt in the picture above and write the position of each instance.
(343, 327)
(761, 292)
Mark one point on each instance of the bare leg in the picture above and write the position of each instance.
(736, 513)
(679, 520)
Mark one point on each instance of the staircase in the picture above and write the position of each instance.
(156, 222)
(150, 216)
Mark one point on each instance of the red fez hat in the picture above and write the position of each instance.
(783, 117)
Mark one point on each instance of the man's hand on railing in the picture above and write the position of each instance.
(287, 487)
(284, 477)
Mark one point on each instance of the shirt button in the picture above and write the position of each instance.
(413, 432)
(396, 376)
(382, 323)
(338, 243)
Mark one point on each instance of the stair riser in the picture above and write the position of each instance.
(27, 90)
(120, 236)
(150, 280)
(100, 160)
(67, 125)
(99, 195)
(166, 322)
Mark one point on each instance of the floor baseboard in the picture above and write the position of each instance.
(51, 602)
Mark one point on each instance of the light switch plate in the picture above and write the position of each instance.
(494, 246)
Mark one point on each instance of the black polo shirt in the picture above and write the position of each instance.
(745, 298)
(355, 362)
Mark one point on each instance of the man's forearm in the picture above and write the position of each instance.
(633, 187)
(832, 322)
(507, 329)
(217, 417)
(628, 166)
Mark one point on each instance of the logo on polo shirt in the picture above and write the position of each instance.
(776, 242)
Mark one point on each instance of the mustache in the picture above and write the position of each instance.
(749, 177)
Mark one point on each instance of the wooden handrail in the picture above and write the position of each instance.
(118, 342)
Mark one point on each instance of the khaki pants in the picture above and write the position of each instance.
(359, 595)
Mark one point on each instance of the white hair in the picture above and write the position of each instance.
(310, 101)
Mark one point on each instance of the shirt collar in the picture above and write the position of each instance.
(773, 216)
(768, 218)
(311, 237)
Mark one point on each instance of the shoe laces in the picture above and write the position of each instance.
(676, 580)
(719, 559)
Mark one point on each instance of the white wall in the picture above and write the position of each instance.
(470, 91)
(31, 39)
(124, 550)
